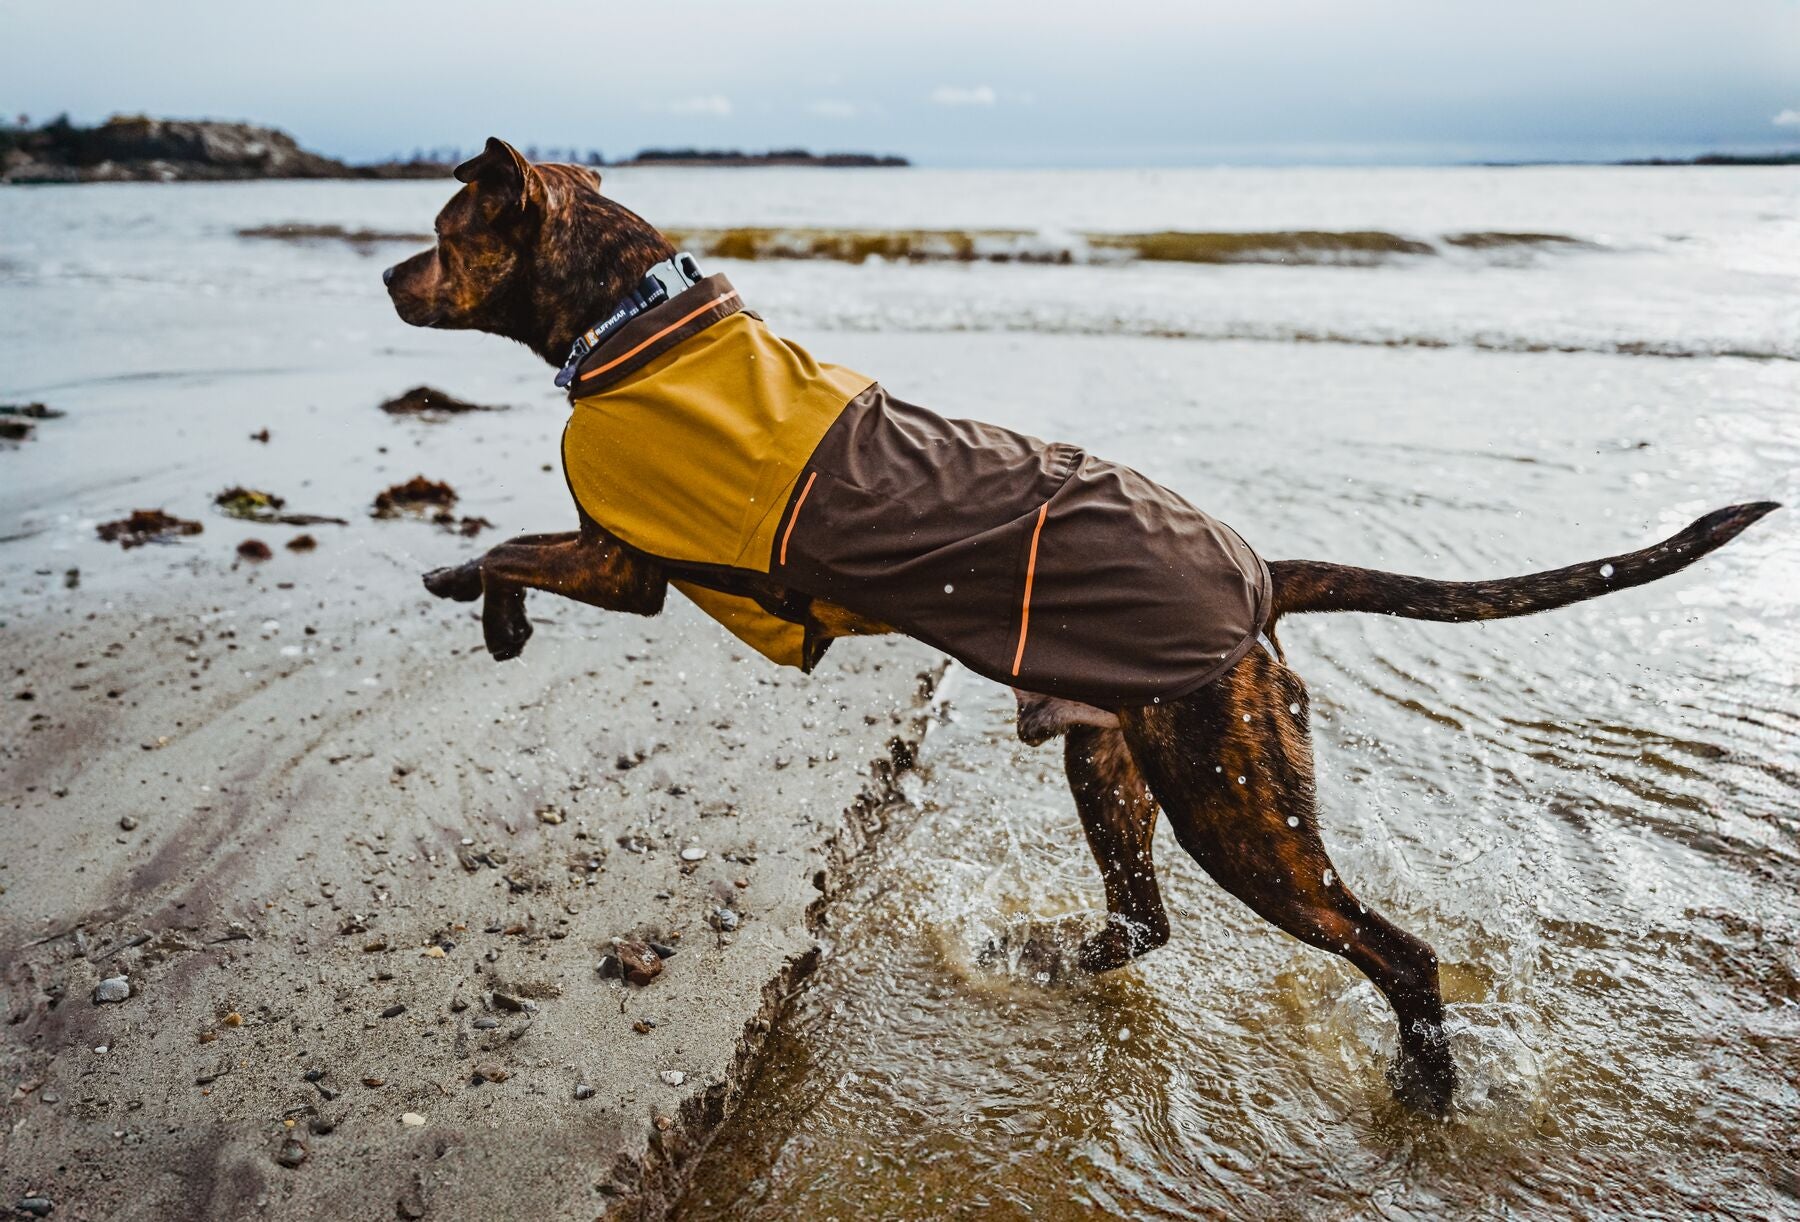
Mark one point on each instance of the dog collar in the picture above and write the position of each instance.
(662, 282)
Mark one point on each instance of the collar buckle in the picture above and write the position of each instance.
(663, 282)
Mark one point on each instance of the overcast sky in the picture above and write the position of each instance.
(948, 82)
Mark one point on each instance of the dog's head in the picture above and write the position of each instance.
(532, 252)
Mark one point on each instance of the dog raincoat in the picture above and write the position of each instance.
(701, 438)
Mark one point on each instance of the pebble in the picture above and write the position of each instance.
(372, 1083)
(485, 1023)
(410, 1207)
(672, 1077)
(321, 1126)
(693, 852)
(393, 1012)
(640, 964)
(127, 823)
(313, 1075)
(37, 1207)
(113, 989)
(583, 1091)
(411, 1119)
(662, 950)
(723, 919)
(291, 1154)
(491, 1073)
(506, 1001)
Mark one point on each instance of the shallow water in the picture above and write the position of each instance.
(1592, 815)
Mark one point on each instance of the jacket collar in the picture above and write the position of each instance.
(642, 336)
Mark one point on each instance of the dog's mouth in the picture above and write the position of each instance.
(414, 313)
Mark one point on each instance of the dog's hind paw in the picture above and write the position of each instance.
(1427, 1088)
(459, 583)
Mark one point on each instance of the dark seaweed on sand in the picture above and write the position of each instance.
(431, 403)
(147, 526)
(415, 495)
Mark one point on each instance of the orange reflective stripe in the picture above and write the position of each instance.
(679, 322)
(795, 517)
(1030, 572)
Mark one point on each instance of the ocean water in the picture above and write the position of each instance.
(1592, 814)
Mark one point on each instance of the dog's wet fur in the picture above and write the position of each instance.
(537, 253)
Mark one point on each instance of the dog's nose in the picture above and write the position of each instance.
(387, 276)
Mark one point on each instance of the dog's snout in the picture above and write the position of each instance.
(387, 275)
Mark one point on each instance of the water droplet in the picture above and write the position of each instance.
(1240, 780)
(1293, 821)
(1328, 877)
(1246, 717)
(948, 588)
(1606, 570)
(1294, 708)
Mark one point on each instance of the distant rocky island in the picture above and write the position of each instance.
(1792, 158)
(734, 157)
(136, 148)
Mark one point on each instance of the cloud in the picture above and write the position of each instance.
(716, 105)
(834, 108)
(961, 95)
(1787, 118)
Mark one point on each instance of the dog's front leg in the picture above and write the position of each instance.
(587, 566)
(463, 582)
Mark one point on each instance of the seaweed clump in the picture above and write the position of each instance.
(1280, 246)
(361, 239)
(147, 526)
(255, 505)
(432, 404)
(468, 528)
(416, 495)
(16, 418)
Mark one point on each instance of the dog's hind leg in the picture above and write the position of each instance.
(1119, 816)
(1232, 767)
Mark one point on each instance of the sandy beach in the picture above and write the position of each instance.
(359, 878)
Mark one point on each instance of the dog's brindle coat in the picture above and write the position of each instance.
(536, 253)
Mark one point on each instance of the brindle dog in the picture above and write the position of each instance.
(536, 253)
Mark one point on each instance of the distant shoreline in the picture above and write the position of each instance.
(136, 148)
(1703, 159)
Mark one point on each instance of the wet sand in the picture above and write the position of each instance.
(354, 871)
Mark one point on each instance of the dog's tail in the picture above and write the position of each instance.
(1314, 585)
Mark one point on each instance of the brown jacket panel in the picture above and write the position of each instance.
(1034, 564)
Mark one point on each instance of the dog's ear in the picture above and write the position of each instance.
(503, 169)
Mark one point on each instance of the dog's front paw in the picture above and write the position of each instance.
(504, 626)
(459, 583)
